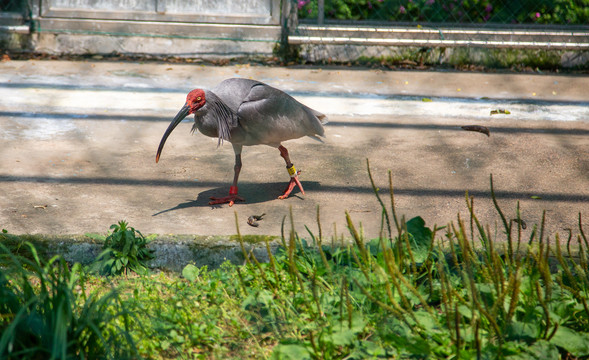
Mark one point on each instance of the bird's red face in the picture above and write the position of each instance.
(195, 100)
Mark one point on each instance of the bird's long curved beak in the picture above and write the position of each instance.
(184, 112)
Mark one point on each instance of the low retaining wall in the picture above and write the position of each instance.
(172, 252)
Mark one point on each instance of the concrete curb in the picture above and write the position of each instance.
(172, 252)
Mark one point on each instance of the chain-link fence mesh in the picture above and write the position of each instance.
(20, 7)
(14, 13)
(479, 12)
(422, 30)
(416, 32)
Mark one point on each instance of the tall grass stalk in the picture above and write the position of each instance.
(482, 288)
(465, 290)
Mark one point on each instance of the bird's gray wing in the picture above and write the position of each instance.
(272, 116)
(234, 91)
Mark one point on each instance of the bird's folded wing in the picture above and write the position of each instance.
(275, 116)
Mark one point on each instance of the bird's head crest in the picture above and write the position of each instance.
(195, 100)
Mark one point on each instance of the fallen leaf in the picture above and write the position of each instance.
(520, 222)
(426, 100)
(500, 111)
(535, 197)
(253, 220)
(40, 207)
(407, 62)
(477, 128)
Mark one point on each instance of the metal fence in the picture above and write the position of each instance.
(15, 9)
(423, 31)
(15, 15)
(480, 12)
(344, 30)
(14, 6)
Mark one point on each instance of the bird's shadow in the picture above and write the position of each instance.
(253, 194)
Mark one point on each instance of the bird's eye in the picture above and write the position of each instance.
(198, 98)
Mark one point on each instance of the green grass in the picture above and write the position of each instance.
(526, 60)
(457, 292)
(47, 313)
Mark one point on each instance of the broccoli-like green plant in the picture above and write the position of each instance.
(124, 249)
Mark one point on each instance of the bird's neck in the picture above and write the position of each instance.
(215, 119)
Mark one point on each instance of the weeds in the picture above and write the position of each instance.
(124, 249)
(417, 294)
(46, 313)
(414, 292)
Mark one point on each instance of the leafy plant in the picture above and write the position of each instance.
(412, 295)
(47, 313)
(124, 249)
(416, 291)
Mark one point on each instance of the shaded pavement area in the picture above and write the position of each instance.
(79, 142)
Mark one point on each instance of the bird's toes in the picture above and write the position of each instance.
(231, 199)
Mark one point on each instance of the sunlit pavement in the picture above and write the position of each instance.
(79, 142)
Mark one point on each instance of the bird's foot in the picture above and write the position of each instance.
(294, 180)
(231, 199)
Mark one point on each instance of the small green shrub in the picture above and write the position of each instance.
(124, 249)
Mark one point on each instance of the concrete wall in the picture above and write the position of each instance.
(227, 29)
(201, 28)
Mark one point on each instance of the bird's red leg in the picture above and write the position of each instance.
(233, 197)
(294, 174)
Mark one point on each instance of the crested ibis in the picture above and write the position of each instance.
(248, 112)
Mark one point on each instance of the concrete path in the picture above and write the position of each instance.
(79, 142)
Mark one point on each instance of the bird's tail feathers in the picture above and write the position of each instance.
(316, 138)
(322, 117)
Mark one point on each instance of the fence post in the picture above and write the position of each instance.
(288, 22)
(320, 12)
